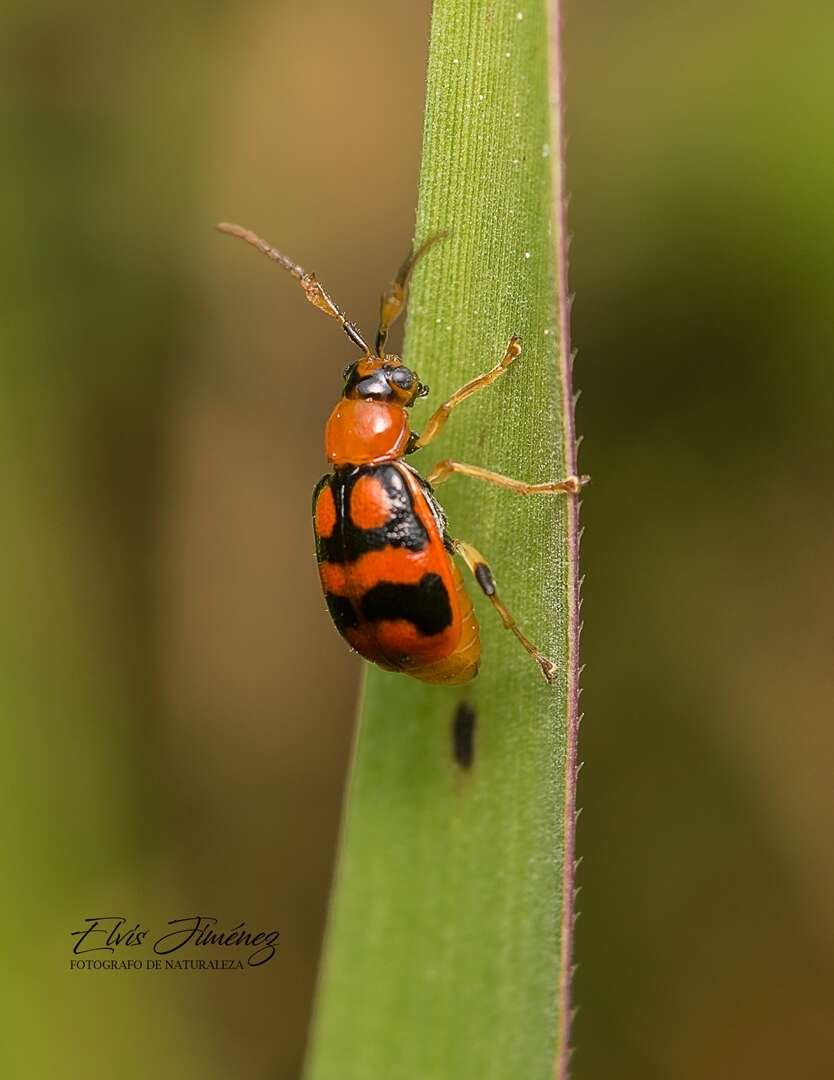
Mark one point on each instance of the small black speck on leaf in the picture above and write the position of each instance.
(463, 735)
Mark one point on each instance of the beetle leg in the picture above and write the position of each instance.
(313, 289)
(393, 300)
(444, 469)
(483, 575)
(437, 421)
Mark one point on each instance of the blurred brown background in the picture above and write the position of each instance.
(178, 710)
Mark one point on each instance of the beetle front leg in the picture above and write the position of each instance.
(483, 575)
(437, 421)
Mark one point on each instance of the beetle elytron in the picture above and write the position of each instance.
(385, 556)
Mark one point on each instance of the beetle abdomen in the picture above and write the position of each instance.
(390, 585)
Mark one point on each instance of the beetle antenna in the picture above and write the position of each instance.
(313, 289)
(393, 300)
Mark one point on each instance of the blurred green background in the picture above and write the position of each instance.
(177, 709)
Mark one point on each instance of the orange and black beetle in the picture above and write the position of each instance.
(385, 557)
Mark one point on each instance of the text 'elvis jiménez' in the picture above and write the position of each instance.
(107, 933)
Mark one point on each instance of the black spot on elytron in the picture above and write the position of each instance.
(463, 735)
(425, 604)
(341, 612)
(348, 542)
(485, 579)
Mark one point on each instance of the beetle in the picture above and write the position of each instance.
(385, 556)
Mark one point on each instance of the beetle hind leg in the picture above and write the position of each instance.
(483, 575)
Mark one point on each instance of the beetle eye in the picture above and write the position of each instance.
(402, 377)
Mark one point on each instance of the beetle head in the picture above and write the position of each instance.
(387, 379)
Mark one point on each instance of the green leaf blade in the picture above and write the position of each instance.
(446, 944)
